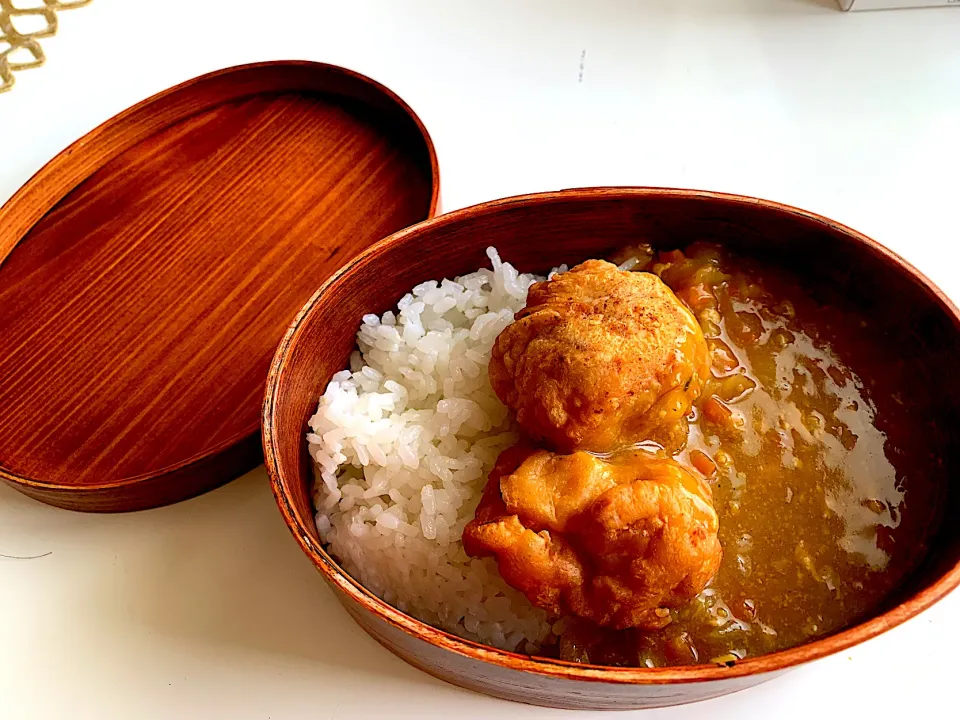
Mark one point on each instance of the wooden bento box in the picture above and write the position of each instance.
(177, 288)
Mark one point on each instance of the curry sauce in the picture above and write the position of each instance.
(812, 455)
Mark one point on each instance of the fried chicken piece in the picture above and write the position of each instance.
(599, 359)
(615, 540)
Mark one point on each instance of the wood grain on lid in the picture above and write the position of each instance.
(140, 313)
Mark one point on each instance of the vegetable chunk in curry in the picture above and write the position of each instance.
(796, 430)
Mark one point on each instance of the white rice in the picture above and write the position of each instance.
(403, 442)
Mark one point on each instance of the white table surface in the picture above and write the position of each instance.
(208, 609)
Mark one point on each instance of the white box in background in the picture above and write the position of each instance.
(894, 4)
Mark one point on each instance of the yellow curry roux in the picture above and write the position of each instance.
(810, 463)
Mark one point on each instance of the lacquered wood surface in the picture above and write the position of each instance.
(537, 232)
(148, 273)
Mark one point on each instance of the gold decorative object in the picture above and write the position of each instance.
(19, 35)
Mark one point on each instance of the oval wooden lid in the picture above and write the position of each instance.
(148, 272)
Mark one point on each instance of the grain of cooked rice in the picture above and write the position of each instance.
(403, 442)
